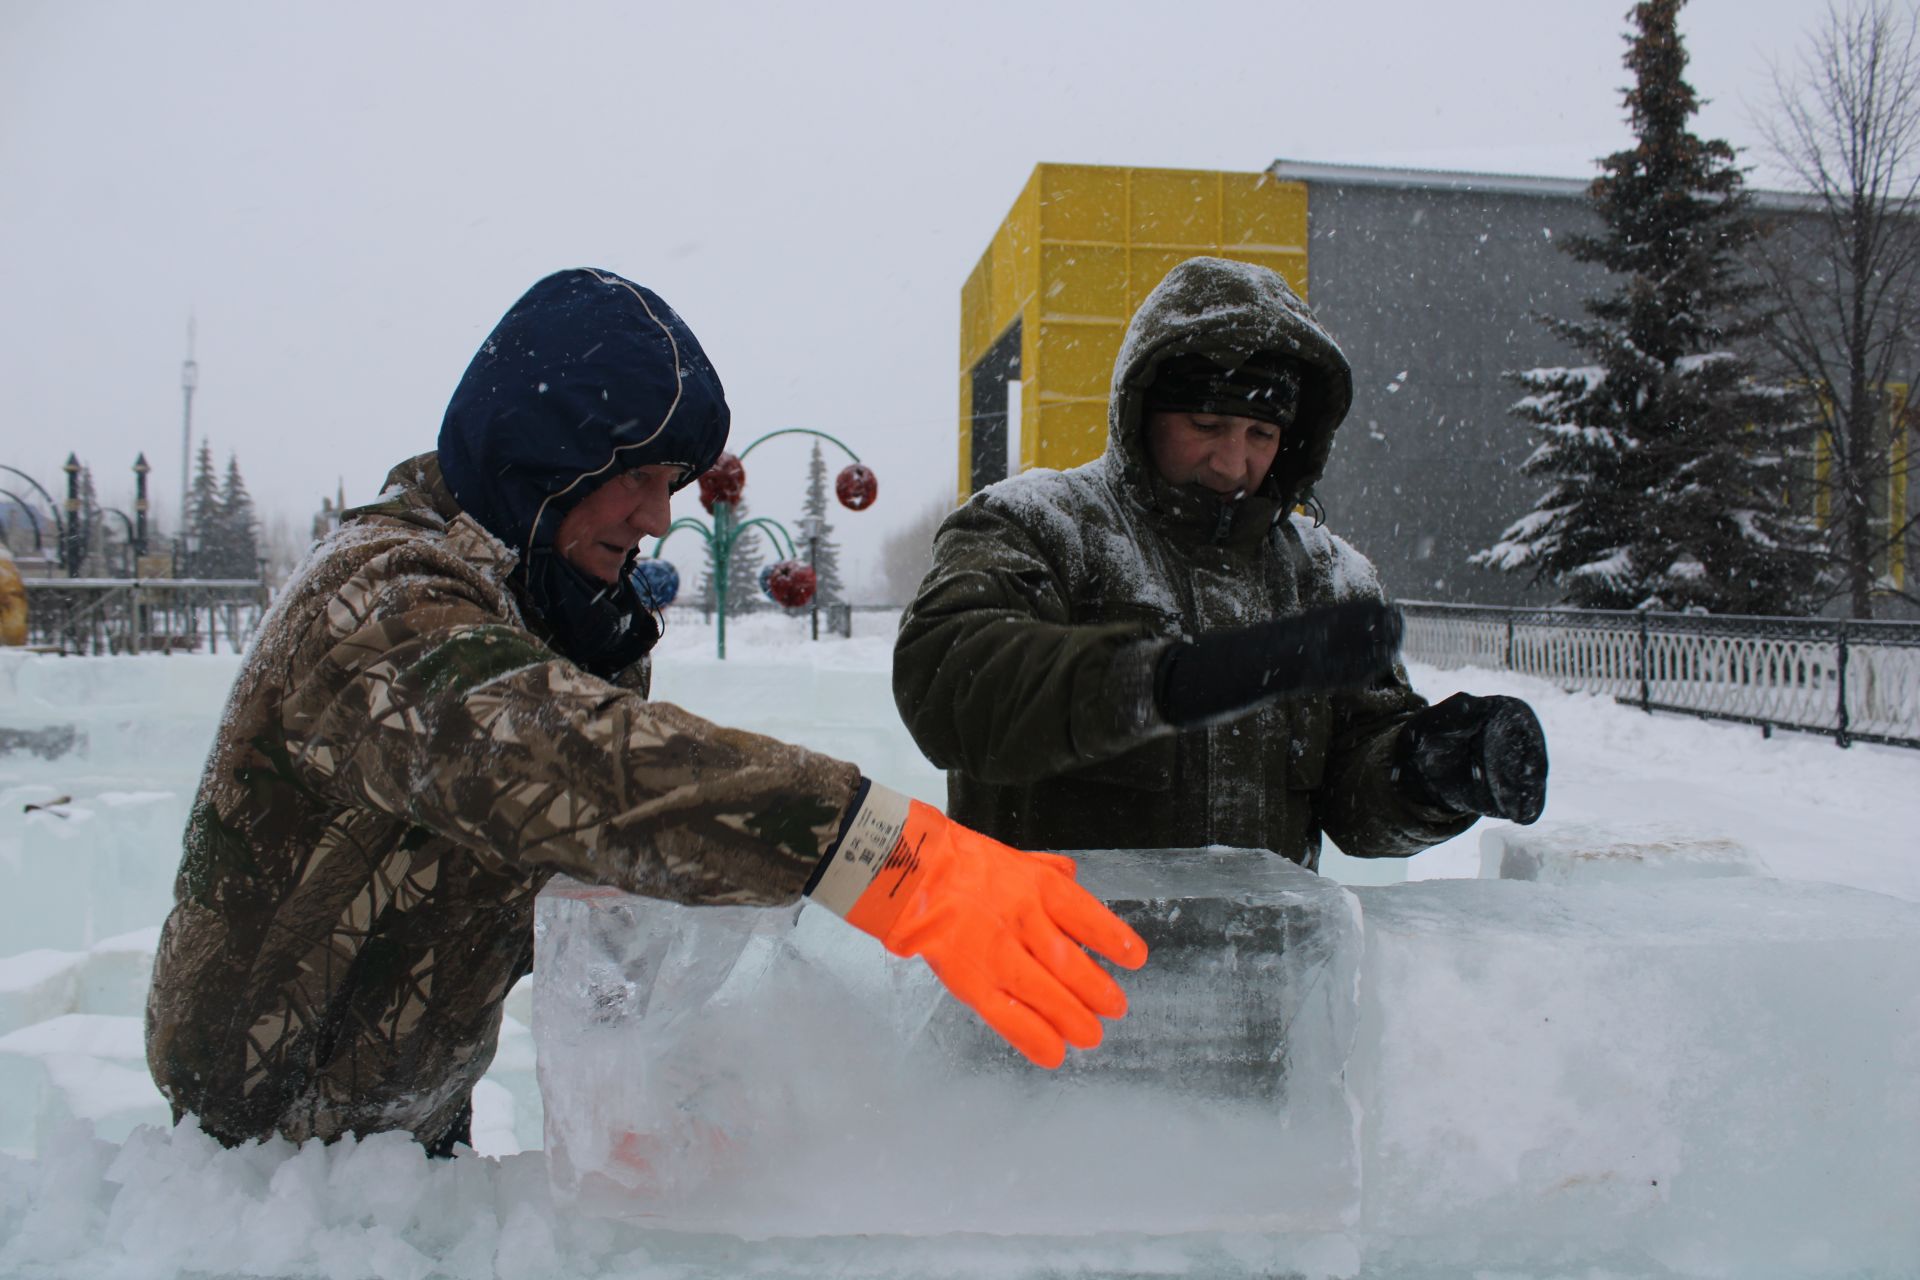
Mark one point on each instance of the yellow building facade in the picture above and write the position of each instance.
(1047, 305)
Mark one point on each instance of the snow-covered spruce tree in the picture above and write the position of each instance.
(743, 575)
(95, 539)
(826, 555)
(1666, 460)
(201, 522)
(237, 554)
(743, 570)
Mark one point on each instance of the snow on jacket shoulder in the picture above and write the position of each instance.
(1023, 666)
(402, 765)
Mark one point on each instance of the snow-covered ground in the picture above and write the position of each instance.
(98, 758)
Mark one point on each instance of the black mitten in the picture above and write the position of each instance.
(1342, 646)
(1475, 755)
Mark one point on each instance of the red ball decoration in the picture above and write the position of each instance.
(856, 487)
(791, 584)
(722, 482)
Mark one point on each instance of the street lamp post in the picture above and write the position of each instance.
(140, 469)
(189, 379)
(75, 551)
(810, 530)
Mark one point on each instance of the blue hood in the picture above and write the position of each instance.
(588, 375)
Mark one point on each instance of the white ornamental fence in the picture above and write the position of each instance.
(1858, 681)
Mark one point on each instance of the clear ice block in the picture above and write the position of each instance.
(1587, 853)
(776, 1072)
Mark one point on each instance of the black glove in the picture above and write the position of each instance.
(1342, 646)
(1475, 755)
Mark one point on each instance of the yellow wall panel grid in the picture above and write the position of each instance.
(1048, 304)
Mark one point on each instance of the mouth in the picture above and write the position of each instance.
(603, 565)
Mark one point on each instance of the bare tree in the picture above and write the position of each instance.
(1845, 282)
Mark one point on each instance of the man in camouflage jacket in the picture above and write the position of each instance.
(441, 712)
(1123, 656)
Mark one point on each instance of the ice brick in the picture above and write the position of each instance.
(775, 1072)
(1570, 853)
(1705, 1069)
(94, 868)
(77, 1066)
(37, 985)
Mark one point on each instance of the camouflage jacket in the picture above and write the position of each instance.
(1024, 664)
(402, 764)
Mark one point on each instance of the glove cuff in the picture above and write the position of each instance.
(869, 844)
(1406, 774)
(1133, 678)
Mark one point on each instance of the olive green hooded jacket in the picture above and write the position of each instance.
(401, 766)
(1024, 666)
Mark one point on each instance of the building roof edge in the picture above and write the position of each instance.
(1366, 175)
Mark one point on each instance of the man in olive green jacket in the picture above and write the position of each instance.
(1154, 650)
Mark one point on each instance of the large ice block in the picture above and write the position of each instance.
(128, 716)
(93, 868)
(777, 1072)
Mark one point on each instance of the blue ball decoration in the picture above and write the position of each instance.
(656, 582)
(766, 581)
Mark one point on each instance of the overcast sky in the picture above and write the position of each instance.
(346, 196)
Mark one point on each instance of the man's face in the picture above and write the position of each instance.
(596, 535)
(1218, 451)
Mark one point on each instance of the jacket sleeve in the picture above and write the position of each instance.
(1359, 805)
(437, 712)
(991, 675)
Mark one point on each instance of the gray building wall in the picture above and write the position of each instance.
(1432, 282)
(1431, 285)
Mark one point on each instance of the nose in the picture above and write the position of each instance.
(652, 511)
(1228, 457)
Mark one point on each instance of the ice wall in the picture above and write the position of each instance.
(131, 716)
(1700, 1075)
(107, 752)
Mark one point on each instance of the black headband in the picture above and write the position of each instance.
(1261, 386)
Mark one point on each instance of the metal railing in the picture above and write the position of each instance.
(1856, 680)
(143, 615)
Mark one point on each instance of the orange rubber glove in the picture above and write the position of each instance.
(1001, 928)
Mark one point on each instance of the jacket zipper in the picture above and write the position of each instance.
(1223, 523)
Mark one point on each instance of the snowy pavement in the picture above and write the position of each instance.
(93, 1182)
